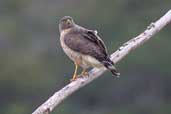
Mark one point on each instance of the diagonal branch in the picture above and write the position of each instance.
(125, 49)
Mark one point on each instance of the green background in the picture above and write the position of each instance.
(33, 65)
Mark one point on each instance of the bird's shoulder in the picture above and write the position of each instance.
(93, 37)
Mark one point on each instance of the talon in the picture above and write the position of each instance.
(84, 73)
(74, 78)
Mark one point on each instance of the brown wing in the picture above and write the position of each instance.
(92, 35)
(86, 43)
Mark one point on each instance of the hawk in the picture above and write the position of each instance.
(84, 47)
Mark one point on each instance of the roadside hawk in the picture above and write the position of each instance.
(84, 47)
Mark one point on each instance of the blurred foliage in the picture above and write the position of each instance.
(32, 63)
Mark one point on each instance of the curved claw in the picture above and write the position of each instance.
(74, 78)
(84, 73)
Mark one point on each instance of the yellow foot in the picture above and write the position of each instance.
(85, 73)
(73, 78)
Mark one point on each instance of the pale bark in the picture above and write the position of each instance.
(125, 49)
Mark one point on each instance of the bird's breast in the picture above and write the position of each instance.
(69, 52)
(86, 60)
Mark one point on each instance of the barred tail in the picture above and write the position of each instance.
(110, 66)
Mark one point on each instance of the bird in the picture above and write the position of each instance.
(84, 47)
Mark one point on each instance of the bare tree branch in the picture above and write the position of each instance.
(125, 49)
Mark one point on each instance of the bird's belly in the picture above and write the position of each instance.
(85, 61)
(70, 53)
(91, 61)
(74, 56)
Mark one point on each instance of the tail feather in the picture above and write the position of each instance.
(110, 66)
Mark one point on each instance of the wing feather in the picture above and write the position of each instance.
(86, 43)
(92, 35)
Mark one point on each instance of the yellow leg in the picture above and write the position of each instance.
(75, 73)
(84, 72)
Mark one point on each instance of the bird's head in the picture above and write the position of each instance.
(65, 23)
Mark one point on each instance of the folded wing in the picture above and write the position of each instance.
(87, 43)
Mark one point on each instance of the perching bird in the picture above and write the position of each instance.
(84, 47)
